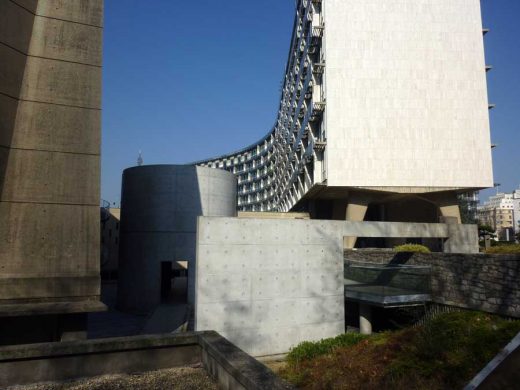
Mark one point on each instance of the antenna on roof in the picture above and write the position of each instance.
(140, 159)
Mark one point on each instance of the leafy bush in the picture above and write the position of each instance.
(509, 248)
(451, 348)
(446, 352)
(308, 350)
(415, 248)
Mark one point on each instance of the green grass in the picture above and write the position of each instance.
(446, 352)
(415, 248)
(309, 349)
(505, 249)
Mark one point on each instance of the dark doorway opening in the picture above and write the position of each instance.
(166, 280)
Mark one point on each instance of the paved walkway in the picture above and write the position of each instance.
(113, 323)
(166, 318)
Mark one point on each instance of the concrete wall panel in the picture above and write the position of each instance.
(29, 5)
(61, 83)
(50, 127)
(58, 39)
(62, 244)
(8, 107)
(47, 177)
(11, 71)
(45, 287)
(16, 25)
(260, 281)
(80, 11)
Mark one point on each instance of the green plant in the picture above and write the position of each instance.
(452, 347)
(443, 353)
(308, 350)
(505, 249)
(415, 248)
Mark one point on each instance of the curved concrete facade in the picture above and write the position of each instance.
(159, 209)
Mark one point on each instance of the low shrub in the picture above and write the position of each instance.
(308, 350)
(446, 352)
(509, 248)
(415, 248)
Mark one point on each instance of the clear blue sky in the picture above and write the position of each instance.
(189, 80)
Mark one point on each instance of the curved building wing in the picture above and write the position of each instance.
(379, 97)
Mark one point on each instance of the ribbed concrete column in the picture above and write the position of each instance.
(365, 319)
(50, 112)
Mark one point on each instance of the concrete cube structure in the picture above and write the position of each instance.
(50, 109)
(268, 284)
(159, 209)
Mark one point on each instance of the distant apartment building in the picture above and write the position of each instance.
(502, 213)
(383, 114)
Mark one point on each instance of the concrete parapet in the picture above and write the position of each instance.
(231, 367)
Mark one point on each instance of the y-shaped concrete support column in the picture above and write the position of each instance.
(365, 319)
(356, 209)
(448, 204)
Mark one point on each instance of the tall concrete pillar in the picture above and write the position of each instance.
(355, 211)
(50, 112)
(365, 319)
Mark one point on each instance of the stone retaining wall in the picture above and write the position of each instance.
(487, 282)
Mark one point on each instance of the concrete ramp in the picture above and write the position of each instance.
(501, 373)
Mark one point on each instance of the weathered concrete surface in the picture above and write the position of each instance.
(50, 100)
(487, 282)
(231, 367)
(235, 369)
(159, 209)
(268, 284)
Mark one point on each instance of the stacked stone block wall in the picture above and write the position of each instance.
(487, 282)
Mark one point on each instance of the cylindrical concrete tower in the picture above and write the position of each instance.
(159, 209)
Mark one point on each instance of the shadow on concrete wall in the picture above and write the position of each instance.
(159, 208)
(12, 71)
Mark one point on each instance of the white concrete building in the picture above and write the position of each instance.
(516, 209)
(384, 105)
(502, 213)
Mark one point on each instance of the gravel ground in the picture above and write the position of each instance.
(169, 379)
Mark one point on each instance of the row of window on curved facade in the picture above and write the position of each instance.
(275, 173)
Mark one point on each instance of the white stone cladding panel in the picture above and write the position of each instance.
(406, 94)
